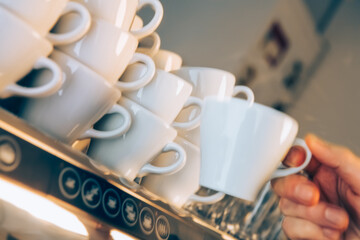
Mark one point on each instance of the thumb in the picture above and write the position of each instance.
(342, 160)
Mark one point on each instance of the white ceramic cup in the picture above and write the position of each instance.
(243, 144)
(179, 188)
(84, 98)
(206, 82)
(22, 50)
(130, 155)
(42, 15)
(167, 60)
(121, 13)
(108, 50)
(165, 95)
(137, 23)
(151, 48)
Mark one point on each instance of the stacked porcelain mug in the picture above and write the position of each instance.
(180, 188)
(26, 42)
(92, 66)
(164, 59)
(153, 108)
(91, 89)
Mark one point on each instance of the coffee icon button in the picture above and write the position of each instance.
(10, 154)
(69, 183)
(162, 228)
(129, 212)
(147, 220)
(91, 193)
(111, 203)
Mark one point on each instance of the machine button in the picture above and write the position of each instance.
(111, 203)
(129, 212)
(162, 228)
(69, 183)
(147, 220)
(10, 154)
(91, 193)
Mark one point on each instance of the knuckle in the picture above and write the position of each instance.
(286, 226)
(284, 206)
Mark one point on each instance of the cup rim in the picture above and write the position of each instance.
(84, 67)
(204, 69)
(182, 139)
(148, 112)
(121, 31)
(172, 75)
(8, 15)
(165, 51)
(255, 104)
(158, 71)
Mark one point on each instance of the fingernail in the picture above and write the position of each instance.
(330, 233)
(335, 216)
(305, 192)
(295, 157)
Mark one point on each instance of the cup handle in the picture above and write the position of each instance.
(173, 168)
(92, 133)
(206, 199)
(288, 171)
(187, 126)
(79, 31)
(247, 91)
(142, 81)
(154, 49)
(155, 21)
(47, 89)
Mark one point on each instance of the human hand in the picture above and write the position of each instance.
(328, 206)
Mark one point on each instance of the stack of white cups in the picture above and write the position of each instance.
(164, 59)
(107, 50)
(237, 139)
(92, 66)
(26, 42)
(180, 188)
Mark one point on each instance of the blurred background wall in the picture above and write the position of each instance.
(317, 79)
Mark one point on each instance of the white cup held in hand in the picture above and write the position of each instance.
(70, 113)
(130, 155)
(242, 145)
(31, 53)
(206, 82)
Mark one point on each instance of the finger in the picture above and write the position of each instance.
(353, 201)
(296, 156)
(322, 214)
(342, 160)
(297, 228)
(297, 188)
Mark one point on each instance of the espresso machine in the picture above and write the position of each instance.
(296, 56)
